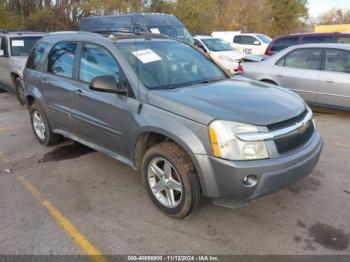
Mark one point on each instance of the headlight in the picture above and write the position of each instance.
(226, 145)
(226, 58)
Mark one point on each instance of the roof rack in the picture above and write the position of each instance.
(116, 35)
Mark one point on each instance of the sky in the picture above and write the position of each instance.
(317, 7)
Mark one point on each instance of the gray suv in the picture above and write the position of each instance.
(14, 49)
(165, 109)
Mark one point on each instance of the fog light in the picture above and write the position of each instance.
(250, 180)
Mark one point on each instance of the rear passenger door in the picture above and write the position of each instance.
(300, 71)
(57, 84)
(102, 118)
(335, 78)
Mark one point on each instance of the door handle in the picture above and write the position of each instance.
(329, 81)
(279, 75)
(45, 80)
(78, 92)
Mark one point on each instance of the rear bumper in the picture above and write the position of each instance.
(221, 179)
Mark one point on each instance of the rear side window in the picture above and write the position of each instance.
(343, 40)
(4, 46)
(317, 39)
(337, 60)
(283, 43)
(36, 55)
(306, 58)
(97, 61)
(247, 40)
(237, 39)
(61, 59)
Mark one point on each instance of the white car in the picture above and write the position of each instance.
(248, 43)
(220, 51)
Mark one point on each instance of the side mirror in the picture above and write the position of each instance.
(256, 42)
(107, 84)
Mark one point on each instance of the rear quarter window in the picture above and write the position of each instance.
(343, 39)
(283, 43)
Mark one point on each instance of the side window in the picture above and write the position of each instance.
(36, 55)
(283, 43)
(317, 39)
(247, 40)
(337, 60)
(343, 40)
(306, 58)
(3, 46)
(237, 39)
(61, 59)
(97, 61)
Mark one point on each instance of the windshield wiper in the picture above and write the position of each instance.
(210, 81)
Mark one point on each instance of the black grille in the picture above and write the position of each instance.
(286, 123)
(287, 144)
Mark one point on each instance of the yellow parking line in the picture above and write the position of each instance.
(70, 229)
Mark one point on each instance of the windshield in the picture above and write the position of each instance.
(265, 38)
(178, 32)
(217, 45)
(169, 64)
(21, 46)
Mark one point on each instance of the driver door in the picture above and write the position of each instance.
(101, 118)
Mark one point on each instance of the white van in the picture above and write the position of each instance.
(248, 43)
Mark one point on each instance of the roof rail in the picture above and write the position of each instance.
(7, 31)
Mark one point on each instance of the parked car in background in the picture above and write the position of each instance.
(157, 23)
(163, 108)
(14, 49)
(250, 44)
(220, 51)
(281, 42)
(320, 73)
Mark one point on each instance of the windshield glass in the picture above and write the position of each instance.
(217, 45)
(177, 32)
(169, 64)
(265, 38)
(21, 46)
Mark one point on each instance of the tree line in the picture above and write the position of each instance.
(272, 17)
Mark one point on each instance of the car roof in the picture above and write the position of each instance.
(311, 34)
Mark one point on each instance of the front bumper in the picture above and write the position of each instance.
(221, 179)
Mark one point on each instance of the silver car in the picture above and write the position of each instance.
(320, 73)
(14, 49)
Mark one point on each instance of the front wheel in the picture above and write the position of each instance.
(20, 92)
(171, 180)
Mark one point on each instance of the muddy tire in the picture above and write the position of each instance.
(171, 180)
(19, 89)
(41, 127)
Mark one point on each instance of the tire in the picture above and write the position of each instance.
(182, 176)
(20, 92)
(46, 137)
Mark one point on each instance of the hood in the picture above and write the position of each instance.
(234, 100)
(18, 63)
(232, 54)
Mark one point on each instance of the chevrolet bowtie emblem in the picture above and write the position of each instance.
(303, 128)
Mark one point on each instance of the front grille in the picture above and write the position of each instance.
(288, 122)
(287, 144)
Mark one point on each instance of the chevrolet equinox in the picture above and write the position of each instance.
(162, 107)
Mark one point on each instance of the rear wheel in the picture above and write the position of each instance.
(20, 92)
(41, 127)
(170, 179)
